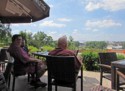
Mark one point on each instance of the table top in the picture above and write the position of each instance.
(43, 54)
(119, 63)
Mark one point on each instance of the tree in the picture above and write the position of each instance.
(123, 45)
(41, 39)
(96, 44)
(5, 34)
(73, 45)
(49, 41)
(28, 36)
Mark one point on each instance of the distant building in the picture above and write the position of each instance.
(114, 47)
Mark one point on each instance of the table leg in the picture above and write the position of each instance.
(113, 77)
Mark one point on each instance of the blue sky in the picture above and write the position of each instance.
(84, 20)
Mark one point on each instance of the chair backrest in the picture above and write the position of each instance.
(8, 66)
(107, 58)
(3, 56)
(9, 58)
(61, 68)
(76, 52)
(19, 68)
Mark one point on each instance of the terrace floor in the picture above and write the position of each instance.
(90, 79)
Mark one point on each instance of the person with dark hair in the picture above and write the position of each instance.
(24, 45)
(22, 58)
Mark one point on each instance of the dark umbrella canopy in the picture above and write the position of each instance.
(23, 11)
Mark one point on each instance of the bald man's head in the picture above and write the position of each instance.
(62, 42)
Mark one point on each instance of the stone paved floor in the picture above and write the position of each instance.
(90, 79)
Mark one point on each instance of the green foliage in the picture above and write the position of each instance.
(120, 56)
(32, 49)
(38, 40)
(5, 34)
(90, 60)
(96, 44)
(47, 48)
(73, 45)
(2, 44)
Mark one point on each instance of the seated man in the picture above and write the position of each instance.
(22, 58)
(62, 50)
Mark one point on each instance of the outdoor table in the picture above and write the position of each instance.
(40, 54)
(114, 66)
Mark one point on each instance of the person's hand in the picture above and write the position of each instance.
(38, 60)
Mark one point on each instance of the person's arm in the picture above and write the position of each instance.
(28, 58)
(34, 59)
(19, 53)
(80, 59)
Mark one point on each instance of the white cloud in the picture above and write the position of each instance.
(15, 31)
(55, 35)
(91, 6)
(23, 24)
(79, 36)
(52, 33)
(52, 24)
(64, 19)
(34, 25)
(75, 31)
(110, 5)
(102, 24)
(51, 6)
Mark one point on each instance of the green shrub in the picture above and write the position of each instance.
(90, 60)
(32, 49)
(120, 56)
(47, 48)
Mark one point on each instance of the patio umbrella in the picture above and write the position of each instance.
(23, 11)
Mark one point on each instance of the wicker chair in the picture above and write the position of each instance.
(9, 66)
(20, 71)
(5, 76)
(61, 72)
(120, 79)
(3, 58)
(105, 60)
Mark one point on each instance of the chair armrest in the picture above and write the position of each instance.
(106, 66)
(121, 74)
(2, 62)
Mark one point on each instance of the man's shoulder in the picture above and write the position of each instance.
(68, 51)
(52, 52)
(58, 51)
(13, 48)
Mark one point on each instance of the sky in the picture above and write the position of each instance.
(84, 20)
